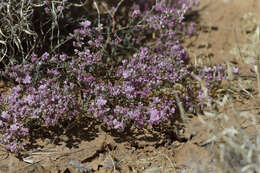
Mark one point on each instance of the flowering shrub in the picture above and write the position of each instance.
(124, 76)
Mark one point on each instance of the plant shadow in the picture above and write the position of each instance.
(70, 133)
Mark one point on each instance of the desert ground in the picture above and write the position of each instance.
(223, 26)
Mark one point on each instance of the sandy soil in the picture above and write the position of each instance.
(89, 147)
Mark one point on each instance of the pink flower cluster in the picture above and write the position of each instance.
(118, 76)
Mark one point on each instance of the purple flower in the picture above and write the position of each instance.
(118, 124)
(85, 23)
(156, 100)
(60, 8)
(126, 74)
(33, 57)
(101, 102)
(63, 56)
(172, 110)
(47, 10)
(235, 70)
(158, 7)
(27, 79)
(45, 56)
(135, 13)
(14, 146)
(29, 100)
(14, 128)
(5, 115)
(154, 115)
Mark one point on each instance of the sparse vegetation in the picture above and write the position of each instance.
(121, 67)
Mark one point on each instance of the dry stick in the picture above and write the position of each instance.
(139, 23)
(4, 55)
(243, 89)
(108, 33)
(230, 71)
(81, 4)
(95, 3)
(66, 154)
(35, 36)
(112, 160)
(54, 23)
(99, 25)
(172, 164)
(257, 70)
(21, 11)
(179, 103)
(112, 15)
(9, 12)
(58, 45)
(203, 87)
(114, 12)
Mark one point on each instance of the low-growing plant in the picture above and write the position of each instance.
(128, 75)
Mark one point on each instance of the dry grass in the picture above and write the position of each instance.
(16, 33)
(25, 27)
(235, 133)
